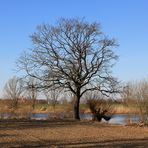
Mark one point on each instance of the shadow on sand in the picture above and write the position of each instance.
(84, 143)
(26, 124)
(126, 143)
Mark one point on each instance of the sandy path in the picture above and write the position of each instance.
(70, 134)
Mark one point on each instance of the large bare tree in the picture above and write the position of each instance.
(75, 55)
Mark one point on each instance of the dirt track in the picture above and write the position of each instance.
(69, 134)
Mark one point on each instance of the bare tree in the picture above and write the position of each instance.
(52, 96)
(127, 93)
(31, 90)
(137, 93)
(141, 95)
(13, 90)
(75, 55)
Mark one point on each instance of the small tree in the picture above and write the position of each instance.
(74, 55)
(31, 90)
(99, 106)
(141, 96)
(52, 96)
(137, 92)
(13, 90)
(128, 94)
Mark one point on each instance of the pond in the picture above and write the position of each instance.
(124, 118)
(116, 118)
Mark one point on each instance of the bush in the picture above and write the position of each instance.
(99, 107)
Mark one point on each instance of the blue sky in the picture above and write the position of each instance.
(125, 20)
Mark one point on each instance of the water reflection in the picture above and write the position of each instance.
(124, 118)
(116, 118)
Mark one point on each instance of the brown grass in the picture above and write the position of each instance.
(69, 133)
(44, 108)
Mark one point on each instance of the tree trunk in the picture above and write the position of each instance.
(76, 105)
(97, 117)
(33, 103)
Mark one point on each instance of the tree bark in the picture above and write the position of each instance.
(97, 117)
(76, 105)
(33, 103)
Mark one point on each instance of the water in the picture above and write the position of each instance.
(116, 118)
(39, 116)
(124, 118)
(87, 116)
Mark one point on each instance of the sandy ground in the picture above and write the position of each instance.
(70, 134)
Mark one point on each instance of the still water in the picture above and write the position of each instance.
(116, 118)
(124, 118)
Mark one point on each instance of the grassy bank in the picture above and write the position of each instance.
(123, 109)
(45, 108)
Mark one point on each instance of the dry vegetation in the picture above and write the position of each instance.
(24, 107)
(117, 107)
(70, 133)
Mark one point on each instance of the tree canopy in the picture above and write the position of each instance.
(73, 54)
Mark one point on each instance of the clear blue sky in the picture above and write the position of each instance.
(125, 20)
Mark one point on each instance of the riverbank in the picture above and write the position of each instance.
(25, 107)
(120, 109)
(70, 133)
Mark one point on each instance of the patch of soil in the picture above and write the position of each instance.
(70, 133)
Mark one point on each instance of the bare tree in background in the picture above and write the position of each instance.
(128, 94)
(136, 92)
(75, 55)
(13, 90)
(31, 90)
(52, 95)
(141, 95)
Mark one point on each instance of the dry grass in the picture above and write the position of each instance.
(45, 108)
(69, 133)
(122, 109)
